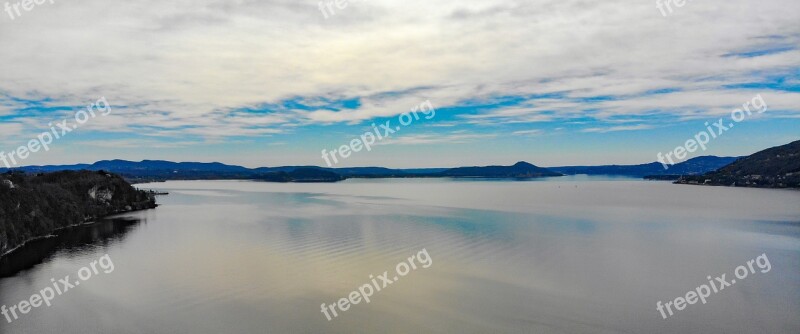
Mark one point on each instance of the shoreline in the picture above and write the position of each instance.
(482, 178)
(87, 222)
(743, 187)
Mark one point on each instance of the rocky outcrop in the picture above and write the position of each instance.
(101, 195)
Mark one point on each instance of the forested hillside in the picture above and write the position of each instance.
(35, 205)
(777, 167)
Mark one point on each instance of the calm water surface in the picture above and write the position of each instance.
(570, 255)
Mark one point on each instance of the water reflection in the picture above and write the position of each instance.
(71, 240)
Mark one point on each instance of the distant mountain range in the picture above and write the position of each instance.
(158, 170)
(777, 167)
(694, 166)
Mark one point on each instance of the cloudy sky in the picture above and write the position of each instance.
(273, 82)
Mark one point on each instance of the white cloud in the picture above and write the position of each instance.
(9, 130)
(427, 139)
(527, 133)
(183, 67)
(619, 128)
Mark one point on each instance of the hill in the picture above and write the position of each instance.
(299, 175)
(777, 167)
(519, 170)
(694, 166)
(34, 206)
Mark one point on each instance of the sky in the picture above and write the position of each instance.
(275, 82)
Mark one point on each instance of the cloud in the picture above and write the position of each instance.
(187, 70)
(618, 128)
(129, 143)
(527, 133)
(428, 139)
(9, 130)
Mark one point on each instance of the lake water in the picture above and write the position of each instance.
(564, 255)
